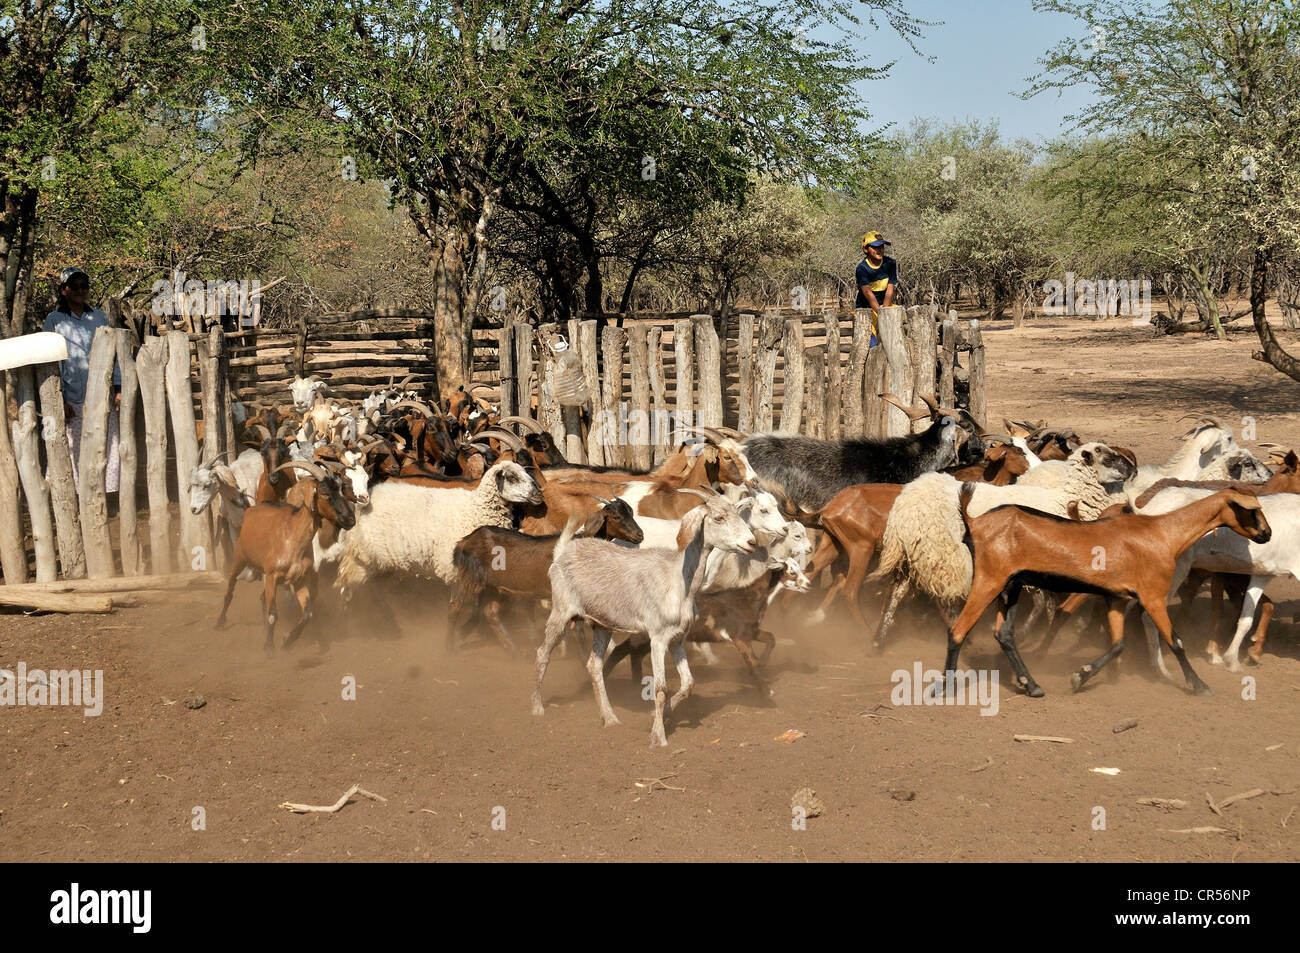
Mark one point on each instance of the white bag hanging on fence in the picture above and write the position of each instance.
(570, 385)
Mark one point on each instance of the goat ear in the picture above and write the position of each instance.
(1291, 462)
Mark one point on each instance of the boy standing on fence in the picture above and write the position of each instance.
(877, 279)
(76, 321)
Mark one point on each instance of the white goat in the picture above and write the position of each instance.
(234, 485)
(651, 591)
(414, 529)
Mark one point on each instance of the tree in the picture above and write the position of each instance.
(1200, 96)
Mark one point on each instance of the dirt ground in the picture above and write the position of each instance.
(449, 740)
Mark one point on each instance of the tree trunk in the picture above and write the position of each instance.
(132, 559)
(94, 456)
(1272, 352)
(1211, 307)
(196, 544)
(13, 553)
(149, 364)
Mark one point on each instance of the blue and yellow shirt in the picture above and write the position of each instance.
(876, 278)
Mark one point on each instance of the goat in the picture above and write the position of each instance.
(807, 472)
(276, 540)
(414, 529)
(1015, 547)
(637, 590)
(494, 563)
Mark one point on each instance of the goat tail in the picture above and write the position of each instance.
(925, 534)
(570, 530)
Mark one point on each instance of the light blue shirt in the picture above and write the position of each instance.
(79, 332)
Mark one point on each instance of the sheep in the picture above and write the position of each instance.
(807, 472)
(276, 539)
(637, 590)
(494, 563)
(1015, 547)
(414, 529)
(923, 540)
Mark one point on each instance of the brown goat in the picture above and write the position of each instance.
(493, 564)
(275, 540)
(1015, 547)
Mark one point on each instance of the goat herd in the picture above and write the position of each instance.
(697, 549)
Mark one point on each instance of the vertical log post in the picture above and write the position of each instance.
(506, 368)
(63, 486)
(35, 489)
(834, 376)
(923, 347)
(591, 374)
(769, 339)
(222, 352)
(196, 544)
(94, 455)
(613, 341)
(547, 366)
(855, 424)
(149, 365)
(708, 354)
(132, 560)
(792, 405)
(978, 393)
(660, 433)
(814, 381)
(745, 362)
(899, 377)
(13, 553)
(638, 428)
(684, 353)
(874, 375)
(947, 360)
(524, 369)
(571, 417)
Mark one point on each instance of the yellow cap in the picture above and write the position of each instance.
(874, 238)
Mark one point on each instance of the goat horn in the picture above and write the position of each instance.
(526, 422)
(913, 413)
(700, 493)
(313, 468)
(266, 434)
(421, 407)
(730, 432)
(709, 432)
(477, 387)
(505, 436)
(481, 447)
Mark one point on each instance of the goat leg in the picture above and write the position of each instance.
(1006, 636)
(684, 677)
(897, 590)
(1115, 618)
(305, 592)
(271, 586)
(596, 669)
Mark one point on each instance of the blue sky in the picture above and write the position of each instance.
(983, 53)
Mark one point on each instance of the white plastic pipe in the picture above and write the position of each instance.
(43, 347)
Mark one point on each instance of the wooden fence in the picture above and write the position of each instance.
(778, 370)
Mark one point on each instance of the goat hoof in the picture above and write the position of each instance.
(1035, 691)
(1201, 689)
(1216, 659)
(1076, 681)
(610, 722)
(219, 624)
(539, 709)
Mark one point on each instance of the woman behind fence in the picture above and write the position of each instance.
(76, 321)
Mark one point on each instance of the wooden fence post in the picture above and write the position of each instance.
(506, 368)
(834, 376)
(814, 379)
(180, 403)
(745, 362)
(149, 365)
(213, 432)
(571, 417)
(524, 368)
(13, 553)
(613, 340)
(922, 346)
(948, 360)
(94, 455)
(591, 374)
(792, 405)
(684, 352)
(899, 378)
(660, 432)
(769, 339)
(708, 353)
(225, 394)
(27, 454)
(548, 410)
(855, 424)
(63, 486)
(978, 394)
(132, 559)
(639, 427)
